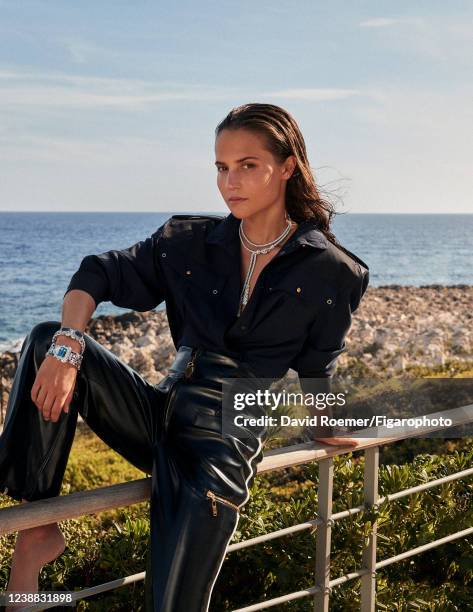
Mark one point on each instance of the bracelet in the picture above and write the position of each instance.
(71, 333)
(65, 354)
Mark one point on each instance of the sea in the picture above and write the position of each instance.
(39, 252)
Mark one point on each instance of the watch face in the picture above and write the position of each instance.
(62, 352)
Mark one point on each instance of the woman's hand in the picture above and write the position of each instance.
(339, 441)
(53, 387)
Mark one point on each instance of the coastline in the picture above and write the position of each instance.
(395, 327)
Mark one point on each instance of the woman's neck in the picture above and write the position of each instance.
(264, 229)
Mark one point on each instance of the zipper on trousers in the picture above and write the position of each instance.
(213, 502)
(191, 364)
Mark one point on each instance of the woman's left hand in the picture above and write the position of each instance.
(339, 441)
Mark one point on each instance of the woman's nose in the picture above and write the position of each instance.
(233, 179)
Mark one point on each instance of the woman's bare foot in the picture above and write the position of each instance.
(339, 441)
(34, 548)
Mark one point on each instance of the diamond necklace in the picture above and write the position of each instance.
(260, 249)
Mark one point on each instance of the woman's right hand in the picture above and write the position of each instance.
(53, 387)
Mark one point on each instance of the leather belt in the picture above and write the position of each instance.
(178, 368)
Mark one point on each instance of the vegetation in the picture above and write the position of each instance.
(113, 544)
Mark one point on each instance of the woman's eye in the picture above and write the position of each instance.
(219, 168)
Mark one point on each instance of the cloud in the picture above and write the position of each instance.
(106, 151)
(55, 90)
(62, 97)
(383, 22)
(439, 39)
(19, 88)
(401, 151)
(81, 52)
(313, 94)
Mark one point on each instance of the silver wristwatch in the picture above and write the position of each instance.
(71, 333)
(65, 354)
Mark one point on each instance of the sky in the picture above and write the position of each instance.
(112, 105)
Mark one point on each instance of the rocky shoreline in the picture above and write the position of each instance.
(395, 327)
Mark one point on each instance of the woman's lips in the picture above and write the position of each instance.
(237, 199)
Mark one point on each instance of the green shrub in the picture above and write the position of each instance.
(113, 544)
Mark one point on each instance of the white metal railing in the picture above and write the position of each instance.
(42, 512)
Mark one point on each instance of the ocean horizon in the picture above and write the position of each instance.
(39, 252)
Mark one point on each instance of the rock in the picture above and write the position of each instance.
(148, 340)
(395, 326)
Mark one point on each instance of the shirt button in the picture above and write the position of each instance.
(298, 289)
(329, 301)
(214, 291)
(270, 288)
(188, 272)
(163, 254)
(243, 327)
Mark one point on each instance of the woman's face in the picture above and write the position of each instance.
(246, 170)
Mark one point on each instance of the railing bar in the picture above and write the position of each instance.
(459, 416)
(262, 605)
(370, 488)
(126, 497)
(424, 547)
(90, 591)
(107, 586)
(299, 594)
(323, 535)
(80, 503)
(274, 534)
(55, 509)
(426, 485)
(399, 494)
(346, 577)
(272, 602)
(309, 451)
(346, 513)
(136, 577)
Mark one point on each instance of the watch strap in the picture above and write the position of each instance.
(65, 354)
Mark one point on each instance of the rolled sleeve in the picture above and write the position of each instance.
(129, 278)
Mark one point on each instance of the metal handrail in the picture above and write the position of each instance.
(55, 509)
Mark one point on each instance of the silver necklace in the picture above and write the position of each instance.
(260, 249)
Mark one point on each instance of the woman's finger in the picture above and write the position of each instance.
(47, 405)
(68, 400)
(56, 409)
(34, 390)
(40, 397)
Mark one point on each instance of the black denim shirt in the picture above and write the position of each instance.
(298, 314)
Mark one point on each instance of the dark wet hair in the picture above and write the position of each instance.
(283, 138)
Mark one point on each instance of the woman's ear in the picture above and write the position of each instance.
(289, 167)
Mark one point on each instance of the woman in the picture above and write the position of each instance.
(248, 296)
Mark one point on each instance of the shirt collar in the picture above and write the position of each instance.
(226, 233)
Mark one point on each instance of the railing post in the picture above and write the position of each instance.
(324, 534)
(368, 581)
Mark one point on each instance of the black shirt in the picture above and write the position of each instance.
(298, 314)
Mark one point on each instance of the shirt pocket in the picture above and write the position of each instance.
(196, 288)
(201, 282)
(305, 292)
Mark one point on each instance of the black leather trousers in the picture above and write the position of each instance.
(173, 431)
